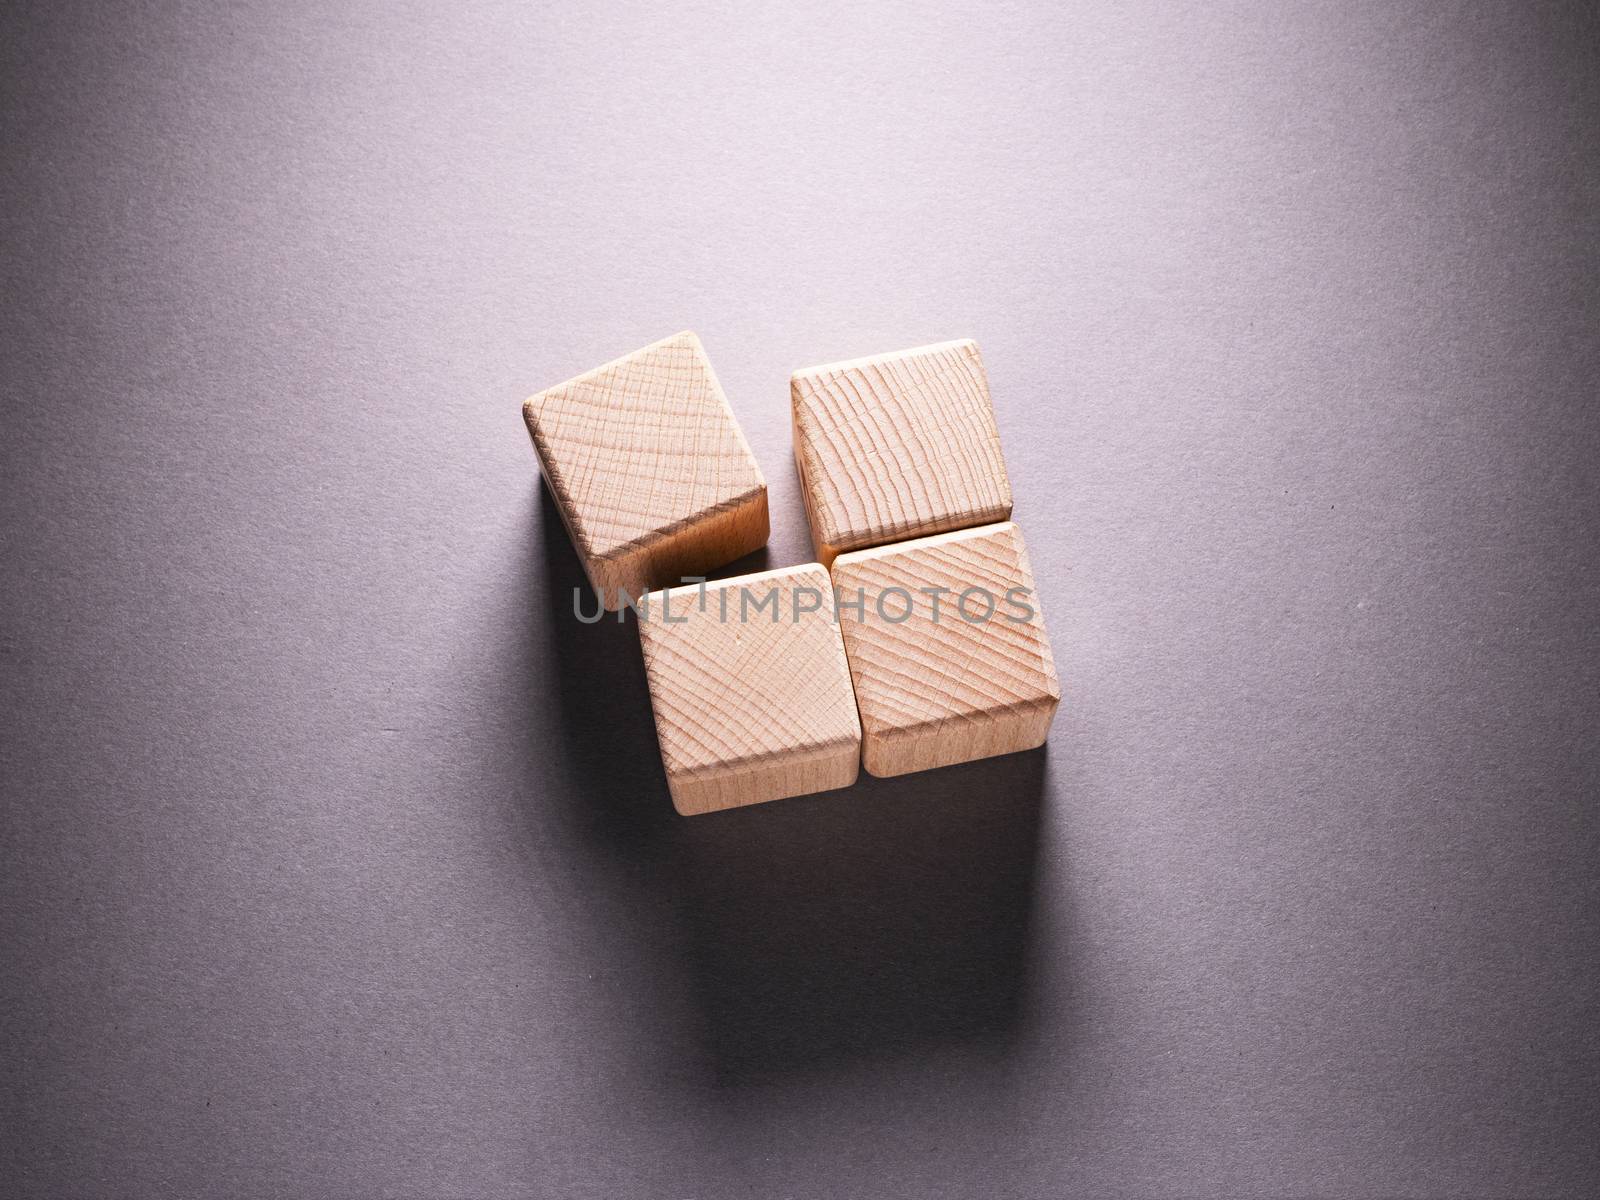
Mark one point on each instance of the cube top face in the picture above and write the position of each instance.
(649, 468)
(943, 686)
(898, 446)
(750, 689)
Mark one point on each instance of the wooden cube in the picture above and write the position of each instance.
(897, 446)
(649, 468)
(946, 678)
(750, 689)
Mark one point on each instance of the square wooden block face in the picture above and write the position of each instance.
(950, 657)
(897, 446)
(649, 468)
(750, 689)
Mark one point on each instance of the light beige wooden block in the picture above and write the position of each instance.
(649, 469)
(750, 689)
(940, 686)
(897, 446)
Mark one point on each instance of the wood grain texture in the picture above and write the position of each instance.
(897, 446)
(939, 688)
(649, 468)
(750, 706)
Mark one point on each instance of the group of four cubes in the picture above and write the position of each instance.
(916, 641)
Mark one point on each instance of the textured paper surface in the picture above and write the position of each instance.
(337, 858)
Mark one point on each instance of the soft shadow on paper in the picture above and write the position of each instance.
(875, 921)
(866, 923)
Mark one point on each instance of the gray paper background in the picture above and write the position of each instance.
(337, 857)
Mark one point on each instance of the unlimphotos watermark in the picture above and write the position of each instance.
(746, 603)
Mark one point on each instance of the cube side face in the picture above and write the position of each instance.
(899, 446)
(707, 541)
(816, 519)
(793, 775)
(942, 686)
(889, 753)
(750, 689)
(646, 462)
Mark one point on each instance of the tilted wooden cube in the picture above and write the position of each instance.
(750, 689)
(949, 654)
(649, 468)
(897, 446)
